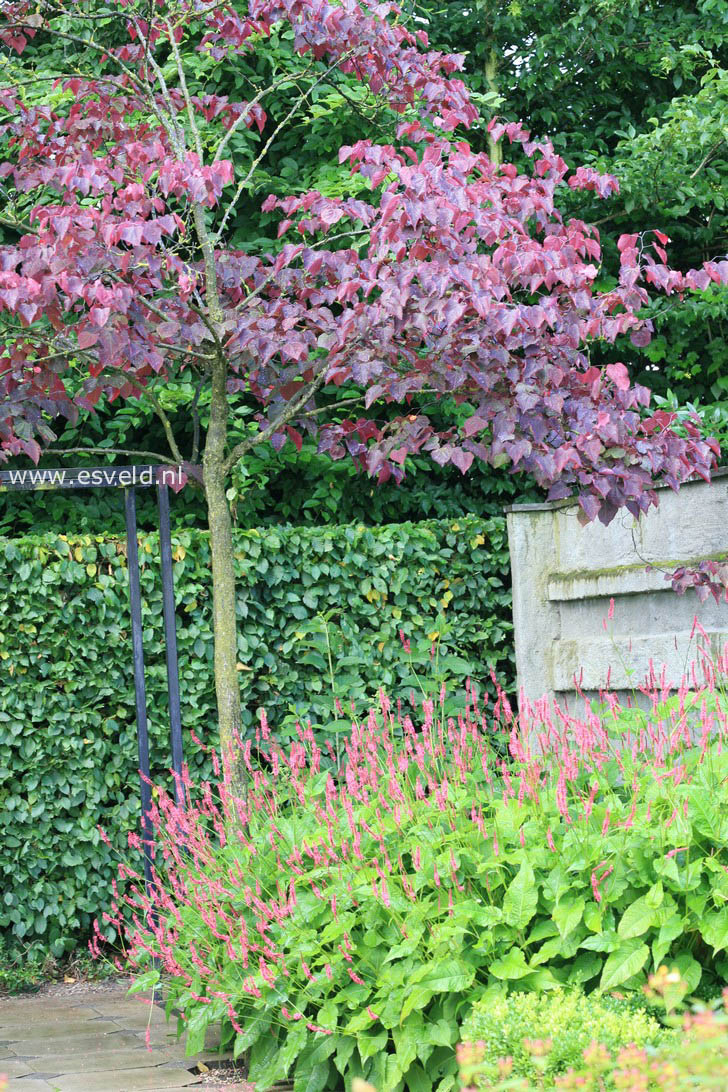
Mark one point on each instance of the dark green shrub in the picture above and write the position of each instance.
(67, 726)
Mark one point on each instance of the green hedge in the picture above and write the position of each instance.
(67, 729)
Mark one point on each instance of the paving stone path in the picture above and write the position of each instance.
(95, 1041)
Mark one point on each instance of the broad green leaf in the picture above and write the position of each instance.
(252, 1031)
(264, 1060)
(541, 930)
(316, 1079)
(636, 919)
(196, 1027)
(593, 917)
(714, 928)
(655, 895)
(550, 950)
(144, 982)
(448, 977)
(585, 967)
(511, 965)
(601, 942)
(669, 931)
(417, 1079)
(704, 814)
(690, 970)
(344, 1050)
(521, 898)
(405, 1045)
(626, 961)
(442, 1033)
(540, 980)
(294, 1042)
(372, 1043)
(568, 914)
(418, 997)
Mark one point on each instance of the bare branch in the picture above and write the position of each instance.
(194, 127)
(240, 120)
(706, 159)
(166, 424)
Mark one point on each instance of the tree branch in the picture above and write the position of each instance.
(110, 451)
(166, 424)
(707, 158)
(256, 162)
(288, 78)
(291, 410)
(198, 213)
(194, 127)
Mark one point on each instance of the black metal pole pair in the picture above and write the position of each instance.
(170, 638)
(130, 478)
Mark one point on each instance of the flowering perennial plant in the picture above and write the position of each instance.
(338, 922)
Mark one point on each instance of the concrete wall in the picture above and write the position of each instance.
(564, 576)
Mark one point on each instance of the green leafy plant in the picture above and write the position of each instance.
(693, 1056)
(339, 921)
(546, 1034)
(26, 969)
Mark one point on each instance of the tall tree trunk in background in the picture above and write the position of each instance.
(495, 150)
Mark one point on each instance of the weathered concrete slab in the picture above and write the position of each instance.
(15, 1008)
(36, 1027)
(126, 1007)
(101, 1060)
(139, 1021)
(39, 1048)
(29, 1084)
(564, 575)
(14, 1067)
(94, 1042)
(131, 1080)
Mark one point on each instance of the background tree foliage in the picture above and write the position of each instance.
(638, 88)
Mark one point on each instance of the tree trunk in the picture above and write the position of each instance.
(495, 150)
(227, 687)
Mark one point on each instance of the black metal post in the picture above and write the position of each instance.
(170, 640)
(135, 600)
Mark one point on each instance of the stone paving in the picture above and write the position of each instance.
(91, 1041)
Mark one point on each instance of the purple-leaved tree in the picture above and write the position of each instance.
(458, 278)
